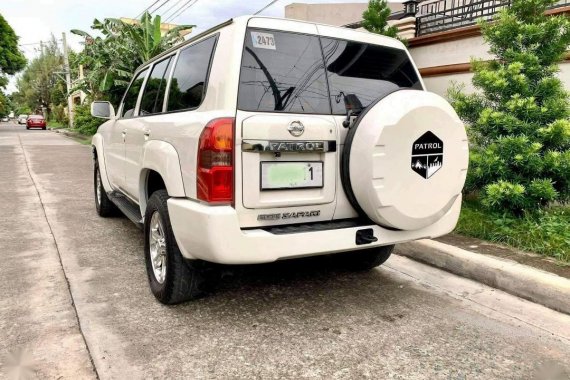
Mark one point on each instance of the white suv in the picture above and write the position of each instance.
(265, 139)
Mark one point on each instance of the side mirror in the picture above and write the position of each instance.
(103, 110)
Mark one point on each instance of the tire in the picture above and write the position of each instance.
(176, 279)
(103, 204)
(399, 139)
(365, 260)
(44, 128)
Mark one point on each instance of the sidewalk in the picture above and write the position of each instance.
(529, 276)
(534, 260)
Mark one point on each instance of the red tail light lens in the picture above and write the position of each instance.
(215, 172)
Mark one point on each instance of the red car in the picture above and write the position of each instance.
(36, 121)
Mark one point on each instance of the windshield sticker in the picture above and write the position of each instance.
(263, 40)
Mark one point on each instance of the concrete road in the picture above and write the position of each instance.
(76, 303)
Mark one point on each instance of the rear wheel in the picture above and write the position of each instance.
(172, 278)
(364, 260)
(103, 204)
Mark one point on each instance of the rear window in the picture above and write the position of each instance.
(299, 73)
(155, 88)
(282, 72)
(130, 99)
(188, 84)
(365, 70)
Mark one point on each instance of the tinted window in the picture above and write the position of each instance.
(155, 88)
(190, 74)
(367, 71)
(282, 72)
(130, 100)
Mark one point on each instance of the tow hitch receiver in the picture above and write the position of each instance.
(365, 236)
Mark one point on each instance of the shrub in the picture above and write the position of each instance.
(84, 122)
(519, 121)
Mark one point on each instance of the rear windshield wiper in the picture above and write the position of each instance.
(280, 100)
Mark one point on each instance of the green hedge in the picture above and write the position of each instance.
(84, 123)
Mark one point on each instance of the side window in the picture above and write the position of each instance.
(155, 88)
(187, 88)
(130, 100)
(365, 71)
(282, 72)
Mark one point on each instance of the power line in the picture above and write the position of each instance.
(170, 8)
(172, 18)
(182, 9)
(146, 9)
(175, 13)
(161, 5)
(265, 7)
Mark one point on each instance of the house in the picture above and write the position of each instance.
(442, 34)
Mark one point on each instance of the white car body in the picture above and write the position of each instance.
(247, 229)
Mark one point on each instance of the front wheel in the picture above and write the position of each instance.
(364, 260)
(172, 278)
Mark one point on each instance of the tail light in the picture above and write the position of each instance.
(215, 172)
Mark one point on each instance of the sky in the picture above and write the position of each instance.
(36, 20)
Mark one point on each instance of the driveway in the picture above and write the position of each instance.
(76, 302)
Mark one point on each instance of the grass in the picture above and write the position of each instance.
(546, 232)
(56, 125)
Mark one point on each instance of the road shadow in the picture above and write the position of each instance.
(304, 288)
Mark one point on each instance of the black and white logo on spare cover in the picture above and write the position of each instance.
(427, 155)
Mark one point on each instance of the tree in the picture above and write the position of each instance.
(375, 19)
(111, 59)
(11, 58)
(519, 121)
(5, 105)
(38, 85)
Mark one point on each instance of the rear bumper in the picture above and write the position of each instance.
(213, 234)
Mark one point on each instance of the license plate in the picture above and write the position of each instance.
(291, 175)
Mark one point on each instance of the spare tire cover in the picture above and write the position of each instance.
(407, 160)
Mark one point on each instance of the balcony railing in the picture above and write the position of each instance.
(442, 15)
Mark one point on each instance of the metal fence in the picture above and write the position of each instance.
(442, 15)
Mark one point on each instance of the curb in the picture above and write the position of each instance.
(68, 133)
(517, 279)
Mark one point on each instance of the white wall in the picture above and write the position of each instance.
(332, 13)
(457, 52)
(450, 52)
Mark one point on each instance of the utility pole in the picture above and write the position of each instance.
(68, 81)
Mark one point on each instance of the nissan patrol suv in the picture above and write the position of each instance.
(265, 139)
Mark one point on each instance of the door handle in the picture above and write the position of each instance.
(124, 132)
(146, 132)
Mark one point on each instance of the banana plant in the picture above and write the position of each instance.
(111, 57)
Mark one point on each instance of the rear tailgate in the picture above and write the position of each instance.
(287, 136)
